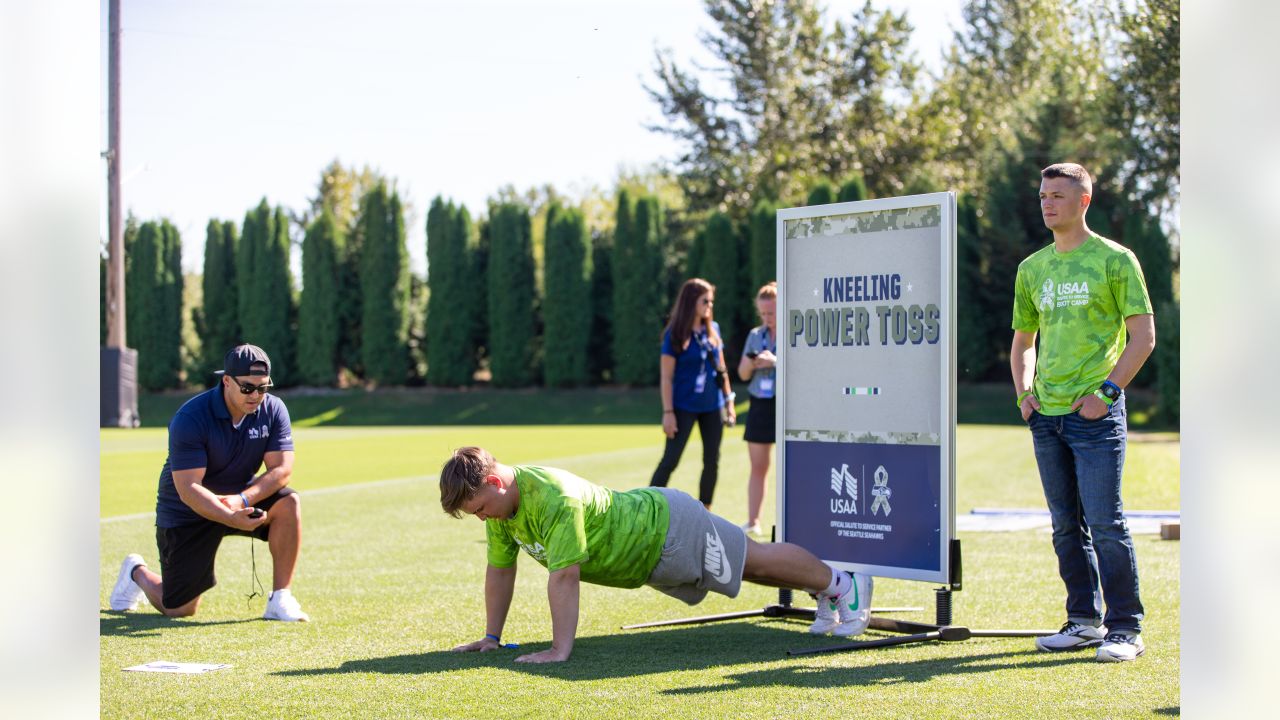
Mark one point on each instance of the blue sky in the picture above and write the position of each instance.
(229, 101)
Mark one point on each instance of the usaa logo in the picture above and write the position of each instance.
(259, 432)
(536, 551)
(843, 483)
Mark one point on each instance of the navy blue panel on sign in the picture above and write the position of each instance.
(865, 503)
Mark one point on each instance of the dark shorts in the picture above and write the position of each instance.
(187, 553)
(760, 421)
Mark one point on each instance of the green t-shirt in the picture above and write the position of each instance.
(563, 520)
(1078, 302)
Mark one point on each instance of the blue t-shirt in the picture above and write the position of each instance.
(201, 436)
(694, 387)
(762, 379)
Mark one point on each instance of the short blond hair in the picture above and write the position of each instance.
(768, 291)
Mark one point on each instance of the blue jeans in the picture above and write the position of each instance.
(1081, 462)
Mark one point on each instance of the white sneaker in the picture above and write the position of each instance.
(825, 618)
(1121, 646)
(854, 607)
(1072, 636)
(284, 606)
(752, 529)
(126, 594)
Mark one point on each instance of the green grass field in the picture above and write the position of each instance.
(391, 583)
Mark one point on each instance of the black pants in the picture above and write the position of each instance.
(711, 428)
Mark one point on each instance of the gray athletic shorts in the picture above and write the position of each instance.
(703, 552)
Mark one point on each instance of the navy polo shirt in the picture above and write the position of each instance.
(201, 436)
(700, 358)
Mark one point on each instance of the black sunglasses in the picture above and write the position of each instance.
(250, 388)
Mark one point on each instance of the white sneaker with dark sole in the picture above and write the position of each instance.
(126, 594)
(282, 605)
(1121, 646)
(1072, 636)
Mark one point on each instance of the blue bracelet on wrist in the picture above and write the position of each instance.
(495, 638)
(1108, 382)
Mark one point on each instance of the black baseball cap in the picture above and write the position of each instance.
(245, 360)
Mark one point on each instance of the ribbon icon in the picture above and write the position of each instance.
(881, 492)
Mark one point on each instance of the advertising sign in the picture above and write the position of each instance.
(866, 397)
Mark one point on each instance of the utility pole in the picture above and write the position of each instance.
(115, 225)
(119, 364)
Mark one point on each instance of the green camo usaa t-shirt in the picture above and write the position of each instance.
(1078, 302)
(563, 520)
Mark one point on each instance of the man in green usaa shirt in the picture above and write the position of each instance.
(582, 532)
(1080, 296)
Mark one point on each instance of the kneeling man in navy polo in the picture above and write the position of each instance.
(209, 489)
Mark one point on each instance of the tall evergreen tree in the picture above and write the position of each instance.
(172, 282)
(637, 305)
(384, 283)
(697, 255)
(652, 298)
(1143, 236)
(419, 295)
(977, 330)
(724, 269)
(480, 291)
(764, 244)
(149, 292)
(823, 193)
(351, 301)
(1145, 99)
(218, 321)
(625, 318)
(511, 296)
(451, 309)
(279, 314)
(600, 340)
(854, 188)
(264, 289)
(319, 324)
(567, 309)
(249, 259)
(804, 98)
(476, 291)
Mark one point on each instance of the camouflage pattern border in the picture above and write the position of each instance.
(869, 222)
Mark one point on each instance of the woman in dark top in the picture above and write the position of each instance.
(694, 385)
(757, 368)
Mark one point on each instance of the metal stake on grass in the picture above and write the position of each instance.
(782, 609)
(912, 632)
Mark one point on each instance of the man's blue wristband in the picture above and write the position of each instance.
(1108, 382)
(495, 638)
(244, 500)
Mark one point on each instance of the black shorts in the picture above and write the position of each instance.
(187, 553)
(760, 421)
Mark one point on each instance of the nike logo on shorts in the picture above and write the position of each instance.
(714, 560)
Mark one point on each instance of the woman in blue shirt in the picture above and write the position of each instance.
(757, 368)
(694, 385)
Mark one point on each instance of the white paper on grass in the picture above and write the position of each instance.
(164, 666)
